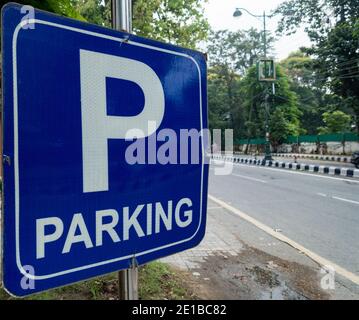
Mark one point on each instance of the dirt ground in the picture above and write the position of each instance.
(254, 275)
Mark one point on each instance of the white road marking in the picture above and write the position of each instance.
(321, 194)
(320, 260)
(245, 177)
(248, 178)
(297, 172)
(345, 200)
(338, 198)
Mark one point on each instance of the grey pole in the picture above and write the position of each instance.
(128, 283)
(127, 279)
(268, 155)
(122, 15)
(238, 13)
(265, 35)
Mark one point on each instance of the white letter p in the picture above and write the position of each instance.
(97, 126)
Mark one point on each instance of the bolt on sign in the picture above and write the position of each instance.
(104, 135)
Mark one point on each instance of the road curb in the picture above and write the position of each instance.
(330, 170)
(345, 159)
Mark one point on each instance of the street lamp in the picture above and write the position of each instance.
(237, 13)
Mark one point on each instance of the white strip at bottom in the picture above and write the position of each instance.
(317, 258)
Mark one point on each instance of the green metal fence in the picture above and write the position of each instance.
(254, 141)
(334, 137)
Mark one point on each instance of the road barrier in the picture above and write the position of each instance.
(313, 156)
(336, 171)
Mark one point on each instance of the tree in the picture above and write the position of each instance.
(284, 113)
(313, 98)
(238, 50)
(179, 22)
(230, 55)
(62, 7)
(94, 11)
(298, 67)
(335, 122)
(219, 99)
(332, 26)
(280, 128)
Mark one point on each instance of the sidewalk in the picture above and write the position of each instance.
(236, 260)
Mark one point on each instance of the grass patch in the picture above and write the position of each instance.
(101, 288)
(157, 281)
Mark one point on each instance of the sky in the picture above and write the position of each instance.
(220, 16)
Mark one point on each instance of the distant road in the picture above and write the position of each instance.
(306, 161)
(319, 212)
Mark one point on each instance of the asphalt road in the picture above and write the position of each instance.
(320, 213)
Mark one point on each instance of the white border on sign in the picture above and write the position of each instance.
(16, 160)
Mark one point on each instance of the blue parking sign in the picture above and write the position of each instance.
(104, 151)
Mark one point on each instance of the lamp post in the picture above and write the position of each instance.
(237, 13)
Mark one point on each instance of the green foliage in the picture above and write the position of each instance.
(222, 94)
(238, 50)
(230, 55)
(280, 128)
(61, 7)
(332, 26)
(319, 16)
(100, 288)
(313, 97)
(298, 68)
(335, 122)
(93, 11)
(284, 113)
(179, 22)
(156, 281)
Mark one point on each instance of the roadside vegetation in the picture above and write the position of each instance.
(157, 281)
(316, 91)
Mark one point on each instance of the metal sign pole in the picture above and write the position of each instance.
(122, 15)
(127, 279)
(128, 283)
